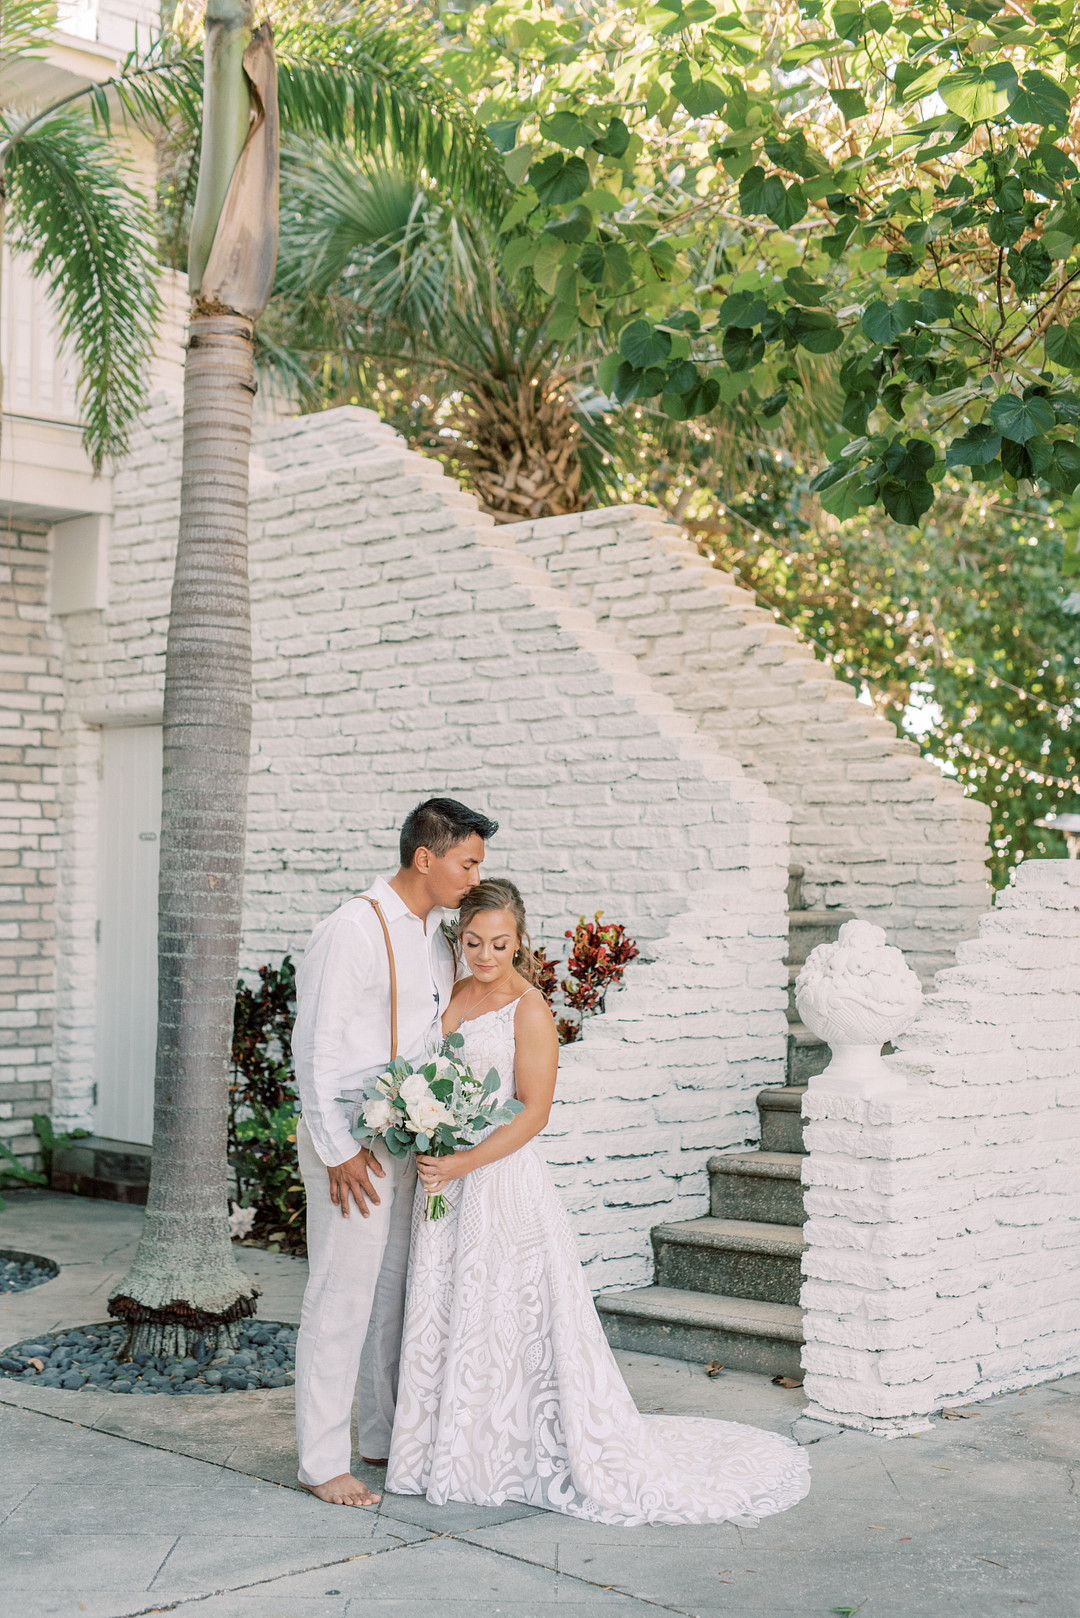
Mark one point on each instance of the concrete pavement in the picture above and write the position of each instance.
(114, 1506)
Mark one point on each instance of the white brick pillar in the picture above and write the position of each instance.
(869, 1260)
(869, 1294)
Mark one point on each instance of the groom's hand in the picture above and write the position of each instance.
(351, 1179)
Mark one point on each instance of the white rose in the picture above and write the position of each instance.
(428, 1114)
(414, 1089)
(379, 1113)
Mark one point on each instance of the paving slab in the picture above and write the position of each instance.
(117, 1506)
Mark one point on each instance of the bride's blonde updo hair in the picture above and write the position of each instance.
(500, 894)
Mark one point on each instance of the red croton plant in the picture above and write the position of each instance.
(599, 955)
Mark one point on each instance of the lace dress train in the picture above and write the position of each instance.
(508, 1389)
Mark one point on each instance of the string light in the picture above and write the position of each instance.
(1010, 767)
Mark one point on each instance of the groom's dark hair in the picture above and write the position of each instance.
(440, 824)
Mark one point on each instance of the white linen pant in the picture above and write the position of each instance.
(351, 1322)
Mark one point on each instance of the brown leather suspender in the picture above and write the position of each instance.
(374, 903)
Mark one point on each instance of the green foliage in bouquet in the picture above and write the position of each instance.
(438, 1108)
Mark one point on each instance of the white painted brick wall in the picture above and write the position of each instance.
(943, 1256)
(876, 828)
(399, 652)
(30, 701)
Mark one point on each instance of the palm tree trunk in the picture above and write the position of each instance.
(185, 1276)
(185, 1281)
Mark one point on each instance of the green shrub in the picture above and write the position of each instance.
(263, 1107)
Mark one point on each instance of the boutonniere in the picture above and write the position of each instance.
(449, 930)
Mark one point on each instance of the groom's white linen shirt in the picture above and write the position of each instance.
(342, 1031)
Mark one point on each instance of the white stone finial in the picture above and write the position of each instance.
(856, 994)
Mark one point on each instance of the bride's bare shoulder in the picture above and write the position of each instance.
(533, 1014)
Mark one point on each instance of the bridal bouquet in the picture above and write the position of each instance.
(438, 1108)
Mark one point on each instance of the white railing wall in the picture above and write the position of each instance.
(943, 1186)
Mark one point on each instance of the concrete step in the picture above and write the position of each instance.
(761, 1186)
(809, 928)
(737, 1258)
(780, 1111)
(742, 1334)
(806, 1054)
(115, 1170)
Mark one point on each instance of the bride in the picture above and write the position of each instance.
(508, 1390)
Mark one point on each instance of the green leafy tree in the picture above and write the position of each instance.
(717, 190)
(957, 631)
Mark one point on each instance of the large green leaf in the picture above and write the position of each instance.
(979, 95)
(742, 349)
(742, 309)
(568, 129)
(1029, 268)
(1063, 345)
(702, 97)
(883, 322)
(1064, 472)
(813, 329)
(559, 179)
(788, 207)
(1038, 100)
(851, 102)
(977, 447)
(909, 460)
(1021, 419)
(760, 193)
(614, 141)
(907, 503)
(643, 346)
(503, 133)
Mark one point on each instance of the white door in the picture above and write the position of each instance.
(128, 835)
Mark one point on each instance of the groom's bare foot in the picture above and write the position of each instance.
(343, 1491)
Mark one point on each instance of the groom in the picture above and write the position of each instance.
(359, 1202)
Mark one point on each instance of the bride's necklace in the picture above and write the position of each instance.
(487, 996)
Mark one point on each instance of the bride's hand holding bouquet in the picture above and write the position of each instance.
(435, 1110)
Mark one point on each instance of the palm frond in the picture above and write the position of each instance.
(88, 232)
(25, 26)
(362, 78)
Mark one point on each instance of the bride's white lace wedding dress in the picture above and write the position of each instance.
(508, 1389)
